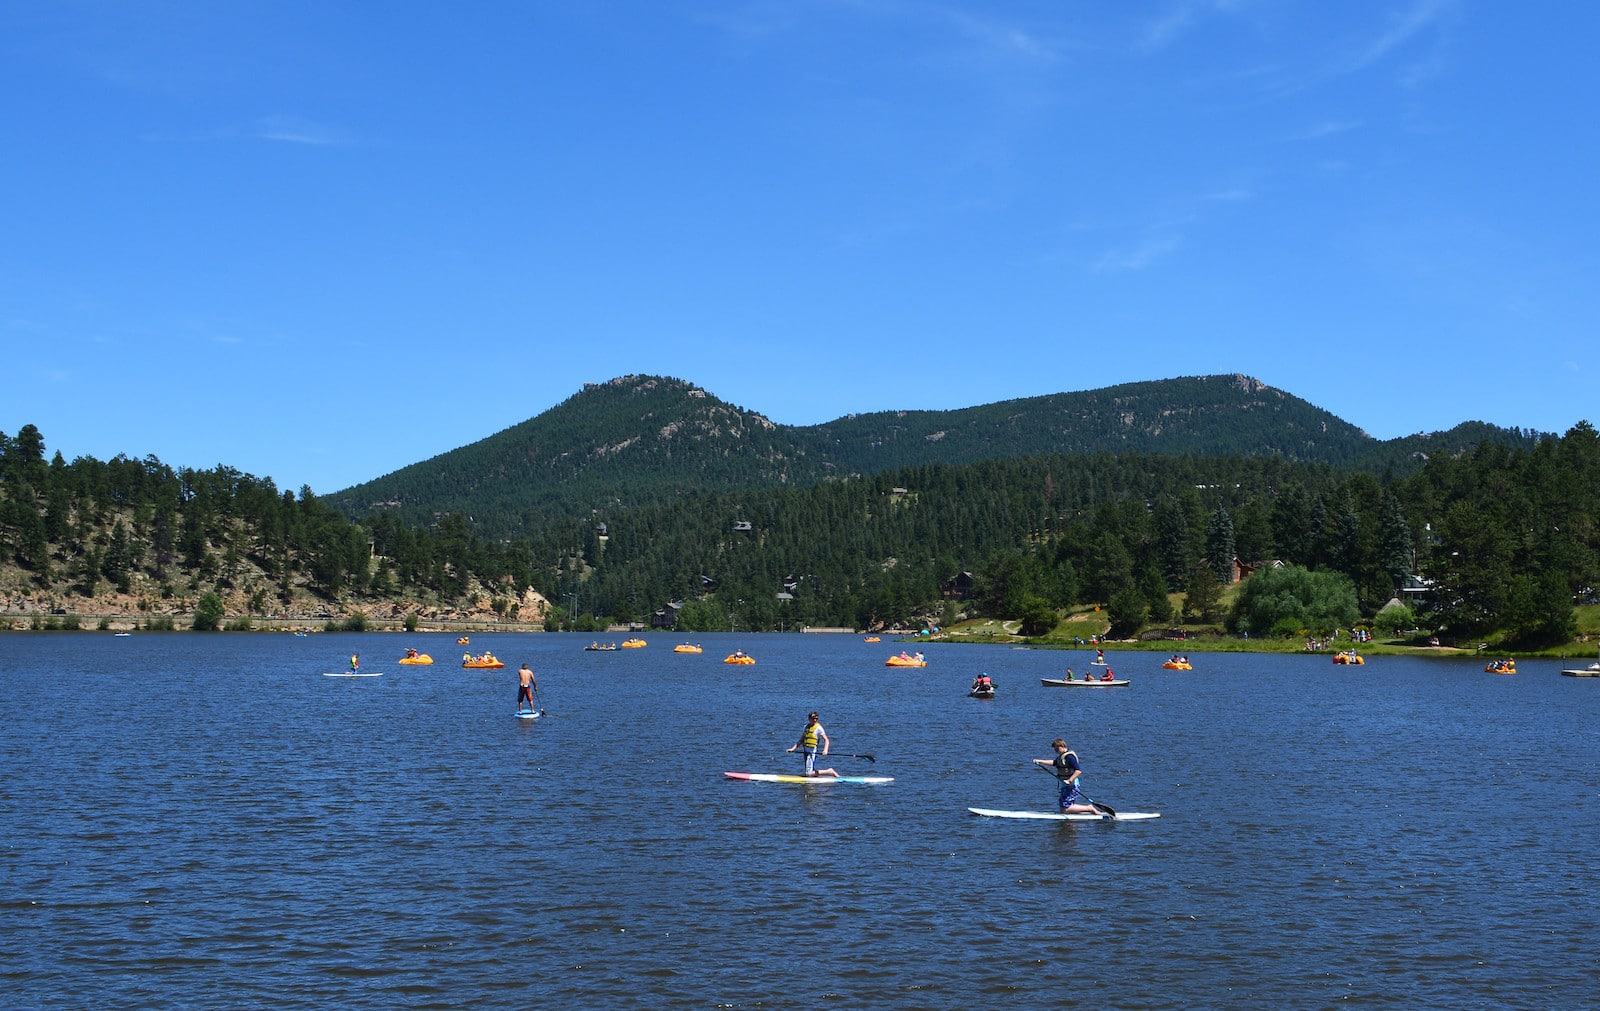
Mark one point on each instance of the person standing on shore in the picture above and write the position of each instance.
(525, 686)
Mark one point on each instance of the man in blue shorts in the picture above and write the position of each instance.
(808, 743)
(1067, 770)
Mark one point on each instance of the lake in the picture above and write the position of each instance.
(207, 821)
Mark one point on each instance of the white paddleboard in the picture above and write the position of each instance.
(1058, 816)
(523, 714)
(352, 674)
(769, 777)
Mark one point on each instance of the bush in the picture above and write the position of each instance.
(1319, 601)
(208, 613)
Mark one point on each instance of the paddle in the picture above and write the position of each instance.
(1105, 809)
(846, 754)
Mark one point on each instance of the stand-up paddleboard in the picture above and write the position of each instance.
(352, 674)
(523, 714)
(1098, 663)
(1058, 816)
(769, 777)
(1092, 682)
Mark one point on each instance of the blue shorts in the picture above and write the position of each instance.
(1070, 795)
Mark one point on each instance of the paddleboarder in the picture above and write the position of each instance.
(807, 743)
(1067, 770)
(525, 686)
(355, 662)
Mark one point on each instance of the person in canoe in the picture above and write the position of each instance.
(1067, 770)
(525, 686)
(982, 683)
(1069, 676)
(1108, 675)
(807, 744)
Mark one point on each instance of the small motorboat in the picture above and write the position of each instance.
(1177, 665)
(633, 644)
(462, 641)
(485, 662)
(872, 638)
(738, 657)
(686, 647)
(417, 659)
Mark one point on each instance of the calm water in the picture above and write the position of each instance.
(205, 821)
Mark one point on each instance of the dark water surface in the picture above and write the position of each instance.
(205, 821)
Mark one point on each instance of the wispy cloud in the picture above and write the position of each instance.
(1139, 256)
(294, 130)
(1401, 29)
(1178, 19)
(1327, 128)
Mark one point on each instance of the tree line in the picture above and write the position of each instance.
(1504, 539)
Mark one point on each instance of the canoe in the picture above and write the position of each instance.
(1090, 683)
(768, 777)
(977, 693)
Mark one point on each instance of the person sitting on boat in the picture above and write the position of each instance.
(1069, 674)
(1108, 676)
(981, 683)
(411, 654)
(466, 657)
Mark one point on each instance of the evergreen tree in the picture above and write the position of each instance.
(1220, 551)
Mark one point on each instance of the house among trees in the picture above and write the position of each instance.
(959, 588)
(667, 617)
(1243, 570)
(1413, 589)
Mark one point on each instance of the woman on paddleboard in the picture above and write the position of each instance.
(808, 744)
(1067, 770)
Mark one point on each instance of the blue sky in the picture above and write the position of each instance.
(318, 242)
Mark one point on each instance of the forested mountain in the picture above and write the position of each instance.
(129, 536)
(647, 440)
(1504, 540)
(659, 502)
